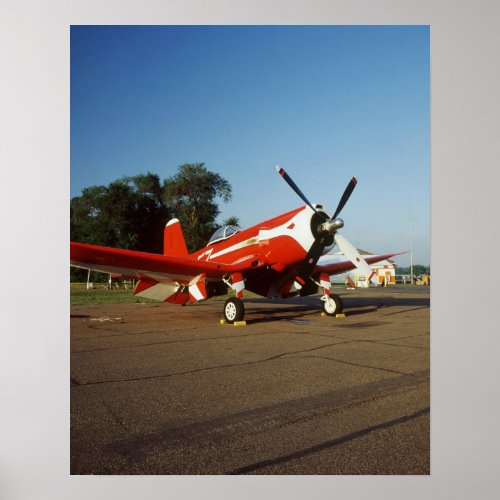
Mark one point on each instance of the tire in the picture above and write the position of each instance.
(234, 310)
(333, 306)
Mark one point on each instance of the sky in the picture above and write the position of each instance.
(324, 102)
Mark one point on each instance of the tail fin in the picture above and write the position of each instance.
(174, 243)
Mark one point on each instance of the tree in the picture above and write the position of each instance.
(231, 221)
(128, 213)
(417, 269)
(131, 212)
(150, 212)
(191, 195)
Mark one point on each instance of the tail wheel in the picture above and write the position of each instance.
(234, 310)
(333, 305)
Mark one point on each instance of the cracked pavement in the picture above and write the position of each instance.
(163, 389)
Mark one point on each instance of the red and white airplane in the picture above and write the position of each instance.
(278, 258)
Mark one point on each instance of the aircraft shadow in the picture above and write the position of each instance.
(386, 301)
(298, 307)
(273, 315)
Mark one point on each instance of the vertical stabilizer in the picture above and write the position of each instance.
(174, 243)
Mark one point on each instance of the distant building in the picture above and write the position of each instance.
(385, 272)
(385, 269)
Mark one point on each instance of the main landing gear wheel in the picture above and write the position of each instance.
(332, 305)
(234, 310)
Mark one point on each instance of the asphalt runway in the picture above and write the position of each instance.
(165, 389)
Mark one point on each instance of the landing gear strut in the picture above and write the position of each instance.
(234, 310)
(332, 304)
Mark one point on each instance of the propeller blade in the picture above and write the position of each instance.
(347, 193)
(353, 255)
(294, 186)
(310, 262)
(325, 231)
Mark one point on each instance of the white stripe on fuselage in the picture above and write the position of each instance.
(301, 233)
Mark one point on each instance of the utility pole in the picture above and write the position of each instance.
(411, 246)
(411, 257)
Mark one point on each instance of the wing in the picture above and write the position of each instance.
(338, 264)
(161, 277)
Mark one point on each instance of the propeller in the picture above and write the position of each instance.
(326, 233)
(294, 186)
(353, 255)
(347, 193)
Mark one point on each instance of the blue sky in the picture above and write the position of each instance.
(324, 102)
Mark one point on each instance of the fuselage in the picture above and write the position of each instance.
(281, 243)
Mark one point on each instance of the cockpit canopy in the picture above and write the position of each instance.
(223, 233)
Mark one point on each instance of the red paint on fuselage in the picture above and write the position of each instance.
(283, 250)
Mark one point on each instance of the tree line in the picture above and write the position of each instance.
(131, 212)
(418, 269)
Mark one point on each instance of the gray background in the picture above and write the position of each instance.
(34, 207)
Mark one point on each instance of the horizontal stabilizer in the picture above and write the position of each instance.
(175, 292)
(164, 292)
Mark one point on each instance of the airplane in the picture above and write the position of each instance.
(277, 258)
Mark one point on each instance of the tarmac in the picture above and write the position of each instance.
(166, 389)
